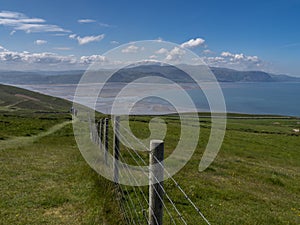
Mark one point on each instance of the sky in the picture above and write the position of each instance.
(244, 35)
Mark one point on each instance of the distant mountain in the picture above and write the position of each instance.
(44, 77)
(229, 75)
(131, 73)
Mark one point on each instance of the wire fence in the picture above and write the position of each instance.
(135, 200)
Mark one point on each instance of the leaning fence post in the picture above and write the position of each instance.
(116, 149)
(106, 140)
(156, 175)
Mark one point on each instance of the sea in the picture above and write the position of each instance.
(271, 98)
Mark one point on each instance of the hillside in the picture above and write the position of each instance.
(13, 98)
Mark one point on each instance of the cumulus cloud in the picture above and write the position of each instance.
(45, 60)
(238, 61)
(226, 54)
(193, 43)
(19, 21)
(152, 57)
(132, 49)
(86, 21)
(40, 42)
(86, 39)
(40, 58)
(207, 51)
(2, 49)
(162, 51)
(175, 54)
(92, 58)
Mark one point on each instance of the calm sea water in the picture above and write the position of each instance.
(253, 98)
(258, 98)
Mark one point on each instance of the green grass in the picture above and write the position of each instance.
(255, 178)
(43, 177)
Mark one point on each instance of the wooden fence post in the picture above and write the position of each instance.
(97, 132)
(100, 134)
(116, 149)
(106, 140)
(90, 127)
(156, 175)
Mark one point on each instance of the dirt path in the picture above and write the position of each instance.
(21, 141)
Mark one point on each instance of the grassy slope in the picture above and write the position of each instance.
(255, 178)
(44, 179)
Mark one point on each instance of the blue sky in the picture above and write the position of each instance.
(266, 32)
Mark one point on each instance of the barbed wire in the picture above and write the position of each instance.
(95, 132)
(154, 187)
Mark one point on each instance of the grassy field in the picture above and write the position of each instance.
(43, 178)
(255, 178)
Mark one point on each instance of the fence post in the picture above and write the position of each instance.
(106, 140)
(101, 132)
(116, 149)
(90, 126)
(97, 132)
(156, 174)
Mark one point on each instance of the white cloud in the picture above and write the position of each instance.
(12, 32)
(39, 58)
(207, 51)
(226, 54)
(238, 61)
(86, 21)
(132, 49)
(40, 42)
(86, 39)
(152, 57)
(193, 43)
(72, 36)
(159, 39)
(37, 28)
(2, 49)
(162, 51)
(92, 59)
(175, 54)
(19, 21)
(239, 56)
(12, 15)
(45, 60)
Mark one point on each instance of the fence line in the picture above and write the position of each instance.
(154, 178)
(168, 197)
(99, 135)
